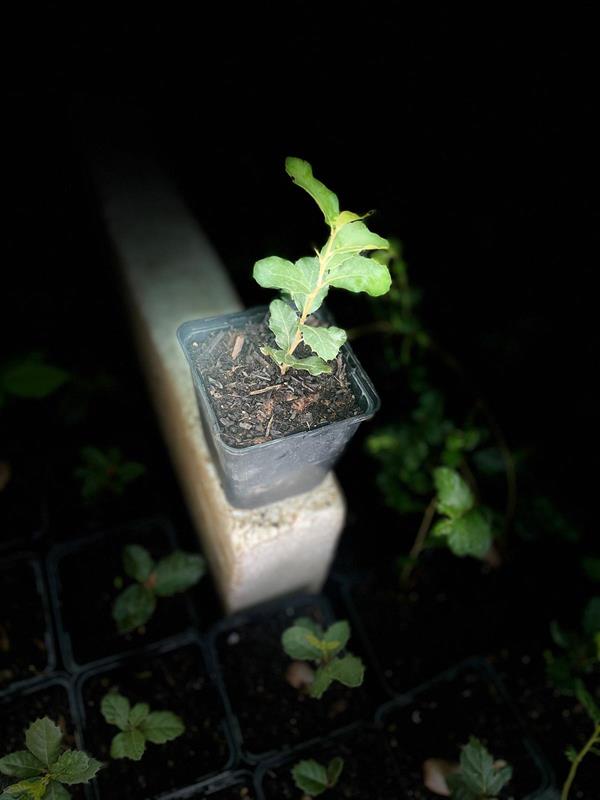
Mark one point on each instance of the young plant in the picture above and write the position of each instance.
(592, 746)
(305, 640)
(314, 778)
(106, 472)
(305, 284)
(30, 377)
(175, 573)
(479, 776)
(465, 528)
(45, 767)
(138, 725)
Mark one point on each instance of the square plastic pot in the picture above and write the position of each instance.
(259, 474)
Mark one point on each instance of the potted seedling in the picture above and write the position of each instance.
(137, 726)
(314, 778)
(279, 389)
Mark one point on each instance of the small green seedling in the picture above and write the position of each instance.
(106, 472)
(30, 377)
(305, 284)
(173, 574)
(138, 725)
(480, 776)
(45, 767)
(465, 528)
(314, 778)
(592, 746)
(307, 641)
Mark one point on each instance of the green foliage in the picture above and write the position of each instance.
(173, 574)
(466, 530)
(105, 472)
(314, 778)
(30, 377)
(305, 640)
(305, 283)
(138, 725)
(578, 650)
(592, 746)
(479, 776)
(44, 768)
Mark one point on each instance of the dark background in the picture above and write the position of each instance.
(472, 135)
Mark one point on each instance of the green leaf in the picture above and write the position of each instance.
(137, 562)
(115, 709)
(587, 701)
(21, 764)
(325, 342)
(334, 770)
(130, 471)
(454, 497)
(74, 767)
(591, 617)
(162, 726)
(133, 608)
(478, 774)
(312, 364)
(591, 568)
(470, 535)
(360, 274)
(338, 632)
(56, 792)
(310, 625)
(129, 744)
(138, 714)
(33, 379)
(308, 266)
(301, 173)
(283, 321)
(356, 238)
(178, 572)
(345, 217)
(322, 681)
(43, 739)
(348, 670)
(278, 273)
(33, 788)
(310, 777)
(296, 642)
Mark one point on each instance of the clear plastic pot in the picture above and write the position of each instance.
(264, 473)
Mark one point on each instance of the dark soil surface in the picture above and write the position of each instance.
(253, 402)
(24, 635)
(369, 773)
(87, 576)
(443, 717)
(19, 712)
(271, 714)
(175, 681)
(242, 790)
(21, 501)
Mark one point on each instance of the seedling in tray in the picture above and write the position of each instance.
(478, 776)
(305, 284)
(173, 574)
(138, 725)
(307, 641)
(105, 471)
(314, 778)
(44, 768)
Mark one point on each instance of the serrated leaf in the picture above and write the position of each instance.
(162, 726)
(591, 617)
(43, 739)
(348, 670)
(178, 572)
(454, 497)
(334, 770)
(360, 274)
(471, 535)
(301, 173)
(339, 632)
(137, 562)
(133, 608)
(128, 744)
(325, 342)
(56, 792)
(138, 714)
(478, 773)
(310, 777)
(297, 643)
(21, 764)
(32, 788)
(73, 767)
(283, 321)
(312, 364)
(32, 379)
(115, 709)
(322, 681)
(279, 273)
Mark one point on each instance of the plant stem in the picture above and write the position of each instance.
(595, 737)
(419, 542)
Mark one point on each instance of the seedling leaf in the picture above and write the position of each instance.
(115, 709)
(325, 342)
(178, 572)
(128, 744)
(297, 644)
(454, 495)
(56, 792)
(133, 607)
(21, 764)
(73, 767)
(33, 788)
(43, 739)
(301, 173)
(348, 670)
(162, 726)
(338, 632)
(283, 322)
(470, 535)
(310, 777)
(137, 562)
(334, 770)
(138, 714)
